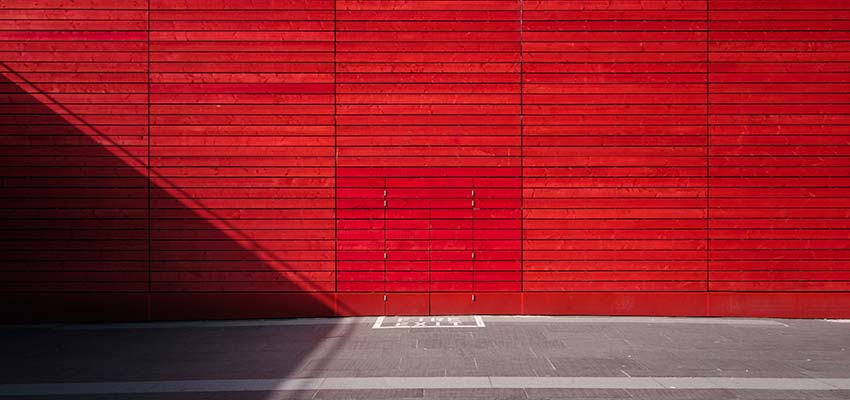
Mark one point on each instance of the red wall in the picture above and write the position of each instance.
(172, 159)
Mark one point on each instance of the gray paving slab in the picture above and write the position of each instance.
(508, 364)
(513, 355)
(682, 394)
(415, 383)
(369, 394)
(488, 394)
(288, 395)
(599, 366)
(789, 395)
(719, 367)
(596, 394)
(430, 365)
(467, 382)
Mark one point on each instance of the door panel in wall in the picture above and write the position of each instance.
(428, 105)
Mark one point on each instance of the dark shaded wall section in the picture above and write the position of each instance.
(179, 159)
(154, 168)
(74, 161)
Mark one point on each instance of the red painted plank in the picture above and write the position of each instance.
(626, 157)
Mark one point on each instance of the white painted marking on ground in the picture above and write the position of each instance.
(839, 321)
(457, 382)
(428, 322)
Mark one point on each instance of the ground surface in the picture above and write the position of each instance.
(367, 358)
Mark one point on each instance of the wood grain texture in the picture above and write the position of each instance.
(236, 140)
(615, 146)
(73, 126)
(546, 156)
(428, 140)
(778, 159)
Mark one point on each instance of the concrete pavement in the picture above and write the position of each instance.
(431, 357)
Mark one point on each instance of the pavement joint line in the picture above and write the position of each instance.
(640, 320)
(451, 382)
(837, 383)
(361, 320)
(201, 324)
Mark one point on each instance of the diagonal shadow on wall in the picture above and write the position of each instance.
(76, 247)
(77, 217)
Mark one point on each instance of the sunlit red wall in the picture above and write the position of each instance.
(181, 159)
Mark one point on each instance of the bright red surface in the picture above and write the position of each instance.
(178, 159)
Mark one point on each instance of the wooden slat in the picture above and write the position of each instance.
(602, 153)
(614, 139)
(779, 146)
(73, 132)
(427, 117)
(230, 135)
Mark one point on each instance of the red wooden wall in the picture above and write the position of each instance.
(172, 159)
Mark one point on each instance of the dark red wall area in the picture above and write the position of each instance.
(180, 159)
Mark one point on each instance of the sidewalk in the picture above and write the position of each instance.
(391, 357)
